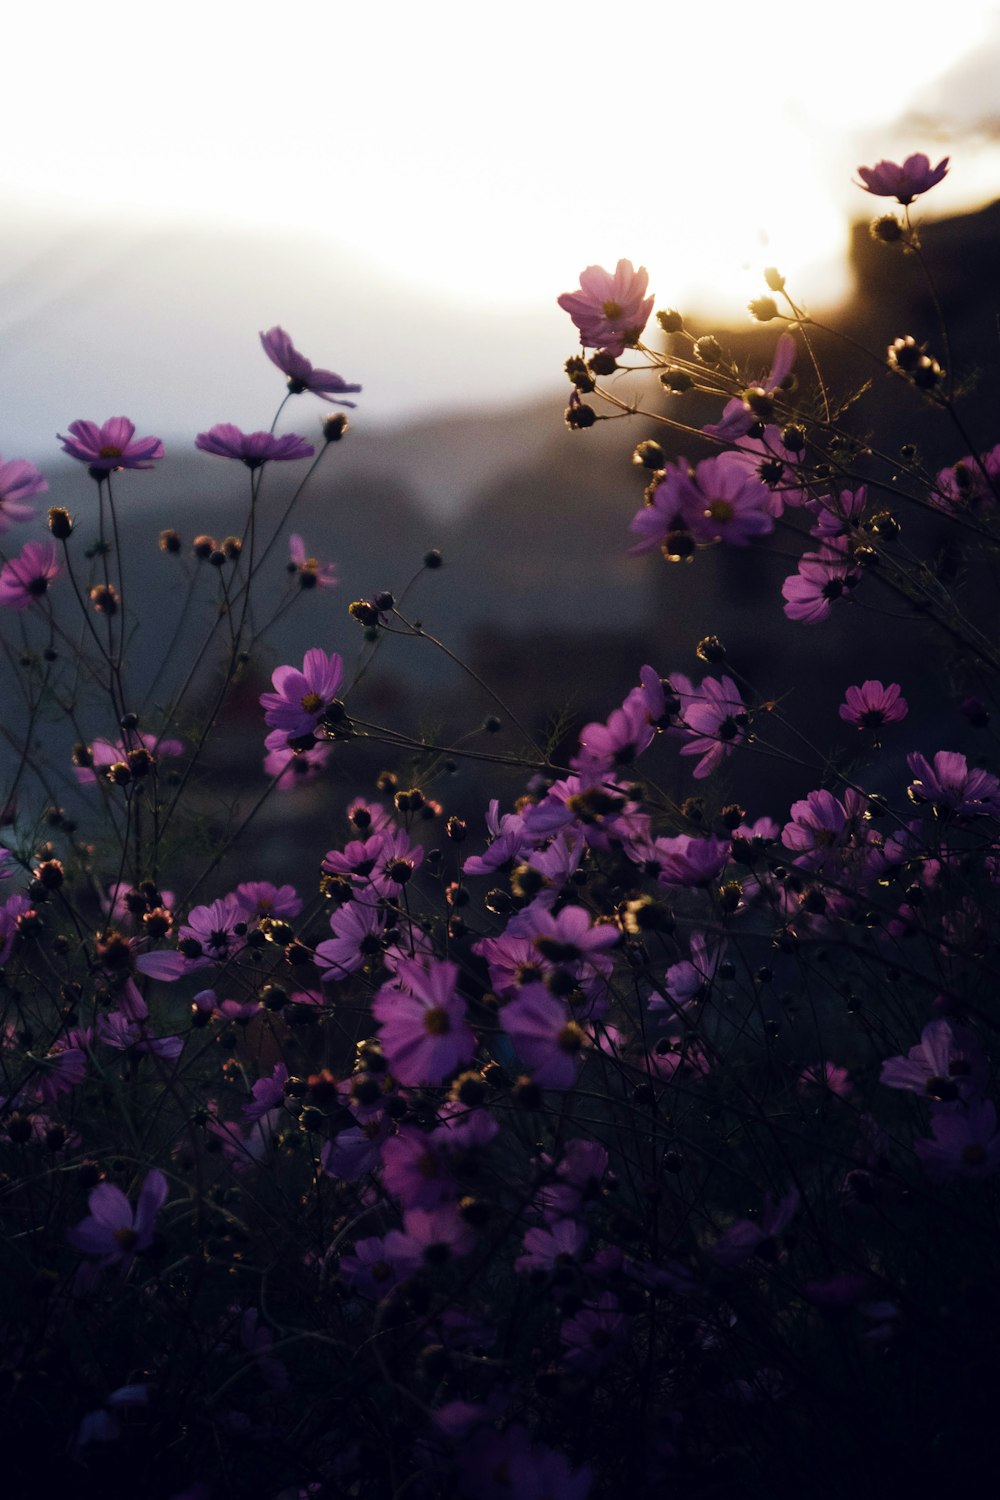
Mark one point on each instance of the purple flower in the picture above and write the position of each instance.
(18, 480)
(871, 704)
(423, 1031)
(215, 932)
(887, 179)
(302, 375)
(951, 786)
(944, 1065)
(252, 448)
(25, 579)
(594, 1335)
(822, 578)
(357, 936)
(965, 1144)
(716, 718)
(292, 767)
(737, 417)
(547, 1040)
(609, 310)
(112, 1230)
(302, 698)
(746, 1237)
(312, 574)
(110, 447)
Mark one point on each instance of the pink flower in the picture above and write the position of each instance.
(292, 767)
(965, 1144)
(737, 417)
(112, 1231)
(302, 698)
(822, 578)
(871, 704)
(945, 1065)
(252, 448)
(950, 785)
(887, 179)
(18, 480)
(423, 1031)
(609, 310)
(746, 1237)
(716, 719)
(547, 1040)
(312, 574)
(25, 579)
(110, 447)
(733, 506)
(302, 375)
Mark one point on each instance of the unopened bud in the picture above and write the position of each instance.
(763, 309)
(670, 320)
(60, 523)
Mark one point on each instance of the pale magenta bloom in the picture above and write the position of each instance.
(26, 578)
(302, 374)
(111, 446)
(887, 179)
(18, 480)
(251, 448)
(112, 1231)
(610, 310)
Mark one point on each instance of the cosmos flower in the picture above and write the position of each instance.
(112, 1231)
(26, 578)
(871, 705)
(312, 573)
(110, 447)
(252, 448)
(302, 698)
(423, 1031)
(609, 310)
(887, 179)
(302, 375)
(18, 481)
(950, 785)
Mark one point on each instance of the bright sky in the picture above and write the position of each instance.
(407, 187)
(489, 152)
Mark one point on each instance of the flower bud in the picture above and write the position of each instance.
(203, 546)
(170, 541)
(886, 228)
(708, 349)
(105, 599)
(677, 381)
(710, 649)
(334, 427)
(579, 417)
(649, 455)
(763, 309)
(60, 523)
(774, 279)
(602, 364)
(670, 320)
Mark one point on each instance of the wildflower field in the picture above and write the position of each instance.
(623, 1138)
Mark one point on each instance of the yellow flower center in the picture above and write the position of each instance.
(311, 702)
(721, 510)
(109, 451)
(126, 1238)
(612, 310)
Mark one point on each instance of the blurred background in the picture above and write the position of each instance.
(406, 190)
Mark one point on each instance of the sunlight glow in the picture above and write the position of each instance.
(487, 154)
